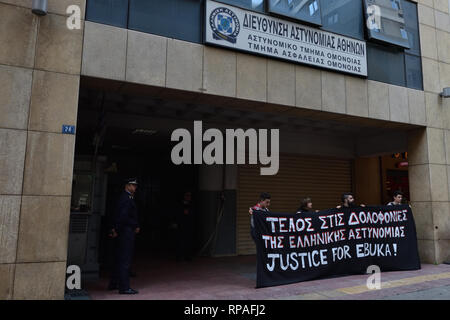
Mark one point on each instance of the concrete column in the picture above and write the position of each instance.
(429, 156)
(40, 64)
(429, 190)
(220, 224)
(368, 180)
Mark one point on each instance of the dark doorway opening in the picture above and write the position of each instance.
(110, 147)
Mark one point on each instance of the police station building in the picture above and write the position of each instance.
(356, 89)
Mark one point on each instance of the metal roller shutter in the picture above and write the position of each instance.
(322, 179)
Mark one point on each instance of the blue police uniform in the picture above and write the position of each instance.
(125, 223)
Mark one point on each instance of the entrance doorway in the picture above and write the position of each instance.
(124, 131)
(378, 177)
(110, 147)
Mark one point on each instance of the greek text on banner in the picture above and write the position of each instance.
(305, 246)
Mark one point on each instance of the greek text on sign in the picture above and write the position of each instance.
(244, 30)
(334, 242)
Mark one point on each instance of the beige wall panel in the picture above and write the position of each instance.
(12, 155)
(58, 48)
(15, 92)
(49, 164)
(6, 281)
(39, 281)
(9, 226)
(18, 28)
(44, 227)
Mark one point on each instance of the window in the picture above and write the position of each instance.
(184, 20)
(413, 62)
(343, 17)
(386, 64)
(256, 5)
(412, 27)
(180, 19)
(304, 10)
(112, 12)
(389, 19)
(395, 5)
(413, 66)
(398, 66)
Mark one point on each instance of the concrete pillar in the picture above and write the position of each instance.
(219, 225)
(428, 148)
(40, 63)
(368, 180)
(429, 190)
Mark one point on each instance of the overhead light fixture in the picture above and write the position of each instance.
(445, 93)
(145, 132)
(39, 7)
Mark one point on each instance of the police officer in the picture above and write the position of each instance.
(125, 227)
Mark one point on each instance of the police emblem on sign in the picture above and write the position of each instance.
(224, 24)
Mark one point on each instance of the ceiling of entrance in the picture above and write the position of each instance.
(123, 108)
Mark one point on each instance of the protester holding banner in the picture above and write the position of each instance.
(262, 205)
(299, 247)
(306, 206)
(348, 201)
(398, 199)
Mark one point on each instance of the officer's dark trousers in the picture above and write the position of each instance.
(124, 255)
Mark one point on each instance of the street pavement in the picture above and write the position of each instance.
(234, 278)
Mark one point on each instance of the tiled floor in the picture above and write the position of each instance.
(234, 278)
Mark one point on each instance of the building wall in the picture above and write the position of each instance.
(428, 148)
(40, 63)
(137, 57)
(39, 80)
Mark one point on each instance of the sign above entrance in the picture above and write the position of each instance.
(249, 31)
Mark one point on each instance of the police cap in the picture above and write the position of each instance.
(131, 181)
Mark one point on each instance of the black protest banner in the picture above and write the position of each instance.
(310, 245)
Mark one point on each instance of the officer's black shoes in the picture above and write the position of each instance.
(128, 291)
(112, 286)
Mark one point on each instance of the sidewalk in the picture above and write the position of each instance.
(234, 278)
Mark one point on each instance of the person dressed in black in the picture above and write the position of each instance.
(125, 227)
(185, 224)
(262, 205)
(348, 201)
(397, 199)
(306, 206)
